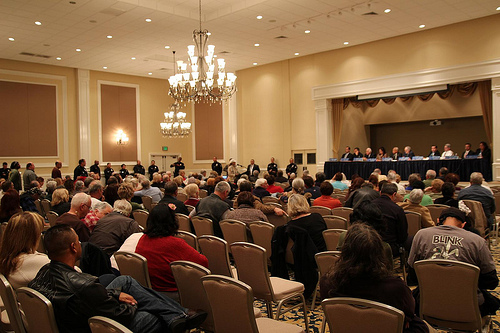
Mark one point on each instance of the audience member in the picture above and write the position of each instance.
(193, 193)
(280, 178)
(337, 182)
(29, 197)
(100, 210)
(169, 197)
(326, 199)
(320, 177)
(4, 171)
(311, 187)
(271, 188)
(442, 173)
(260, 190)
(479, 193)
(148, 190)
(373, 179)
(434, 191)
(80, 170)
(246, 211)
(28, 176)
(15, 175)
(95, 191)
(246, 186)
(60, 201)
(418, 184)
(430, 175)
(448, 191)
(9, 205)
(56, 171)
(126, 191)
(364, 193)
(453, 178)
(413, 205)
(50, 188)
(411, 179)
(80, 206)
(355, 185)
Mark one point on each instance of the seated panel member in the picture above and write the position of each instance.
(396, 154)
(357, 153)
(369, 153)
(434, 151)
(408, 152)
(467, 151)
(348, 153)
(447, 151)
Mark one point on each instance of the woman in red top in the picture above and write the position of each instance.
(325, 199)
(161, 247)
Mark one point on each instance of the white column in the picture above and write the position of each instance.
(84, 114)
(233, 128)
(495, 94)
(324, 131)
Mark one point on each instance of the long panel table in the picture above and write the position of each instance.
(462, 167)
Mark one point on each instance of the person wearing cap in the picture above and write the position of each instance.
(232, 171)
(451, 242)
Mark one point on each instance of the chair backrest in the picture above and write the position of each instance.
(478, 216)
(217, 252)
(497, 202)
(438, 279)
(325, 260)
(435, 210)
(278, 220)
(141, 216)
(135, 265)
(182, 196)
(344, 212)
(202, 226)
(147, 201)
(203, 193)
(232, 304)
(100, 324)
(335, 222)
(190, 208)
(45, 206)
(184, 223)
(321, 210)
(251, 264)
(343, 315)
(38, 311)
(187, 277)
(10, 303)
(189, 238)
(262, 234)
(414, 220)
(233, 231)
(52, 217)
(269, 199)
(332, 237)
(38, 204)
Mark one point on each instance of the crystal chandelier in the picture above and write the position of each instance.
(201, 78)
(175, 125)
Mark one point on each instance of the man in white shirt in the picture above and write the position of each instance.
(447, 151)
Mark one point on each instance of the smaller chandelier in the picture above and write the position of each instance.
(175, 125)
(121, 138)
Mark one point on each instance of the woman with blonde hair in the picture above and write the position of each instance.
(19, 260)
(126, 191)
(60, 201)
(193, 193)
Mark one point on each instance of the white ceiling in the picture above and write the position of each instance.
(68, 25)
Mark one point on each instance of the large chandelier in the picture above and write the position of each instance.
(201, 78)
(175, 125)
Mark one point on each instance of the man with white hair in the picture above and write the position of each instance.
(369, 153)
(396, 154)
(113, 229)
(392, 178)
(100, 210)
(95, 192)
(214, 207)
(480, 193)
(261, 188)
(80, 206)
(413, 205)
(153, 192)
(408, 152)
(447, 151)
(430, 175)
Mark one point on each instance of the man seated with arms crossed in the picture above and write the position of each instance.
(450, 241)
(78, 296)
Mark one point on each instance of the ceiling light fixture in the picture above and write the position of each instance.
(78, 50)
(296, 53)
(109, 36)
(11, 39)
(133, 58)
(259, 17)
(346, 43)
(307, 31)
(167, 47)
(58, 58)
(104, 67)
(421, 26)
(388, 10)
(255, 64)
(38, 23)
(150, 73)
(148, 20)
(498, 8)
(204, 81)
(256, 44)
(175, 125)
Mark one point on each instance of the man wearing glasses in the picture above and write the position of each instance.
(80, 206)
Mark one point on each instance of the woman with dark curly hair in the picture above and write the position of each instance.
(9, 205)
(362, 272)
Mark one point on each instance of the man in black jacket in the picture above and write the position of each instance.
(152, 169)
(170, 198)
(80, 170)
(76, 297)
(216, 166)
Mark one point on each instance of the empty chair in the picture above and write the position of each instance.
(233, 231)
(414, 222)
(438, 279)
(52, 217)
(182, 197)
(233, 300)
(217, 252)
(184, 223)
(344, 212)
(45, 207)
(332, 237)
(8, 296)
(38, 311)
(269, 199)
(189, 238)
(278, 220)
(100, 324)
(141, 216)
(135, 265)
(324, 260)
(202, 226)
(335, 222)
(321, 210)
(435, 210)
(354, 315)
(203, 193)
(262, 234)
(147, 201)
(251, 265)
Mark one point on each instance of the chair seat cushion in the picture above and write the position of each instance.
(266, 325)
(283, 288)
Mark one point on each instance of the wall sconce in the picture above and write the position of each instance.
(121, 138)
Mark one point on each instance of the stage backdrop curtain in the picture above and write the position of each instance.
(484, 88)
(337, 116)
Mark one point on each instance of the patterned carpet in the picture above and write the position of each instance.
(316, 316)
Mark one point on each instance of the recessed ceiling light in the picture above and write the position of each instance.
(498, 8)
(296, 53)
(38, 23)
(109, 36)
(307, 31)
(421, 26)
(346, 43)
(11, 39)
(104, 67)
(259, 17)
(150, 73)
(148, 20)
(256, 44)
(133, 58)
(167, 47)
(78, 50)
(255, 64)
(58, 58)
(388, 10)
(209, 34)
